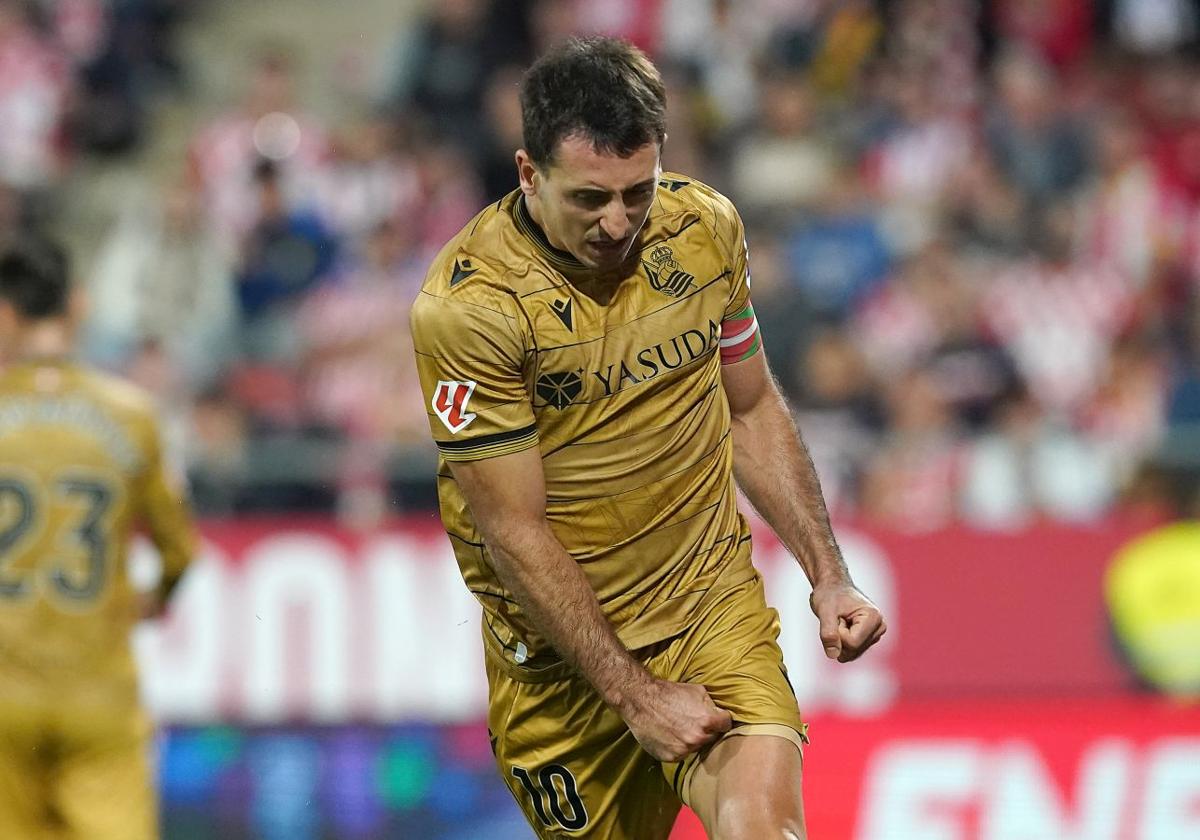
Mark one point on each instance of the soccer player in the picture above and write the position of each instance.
(80, 465)
(595, 381)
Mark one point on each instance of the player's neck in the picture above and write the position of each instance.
(533, 206)
(48, 339)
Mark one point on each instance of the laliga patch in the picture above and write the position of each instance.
(450, 404)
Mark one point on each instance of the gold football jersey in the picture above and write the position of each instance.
(80, 466)
(617, 382)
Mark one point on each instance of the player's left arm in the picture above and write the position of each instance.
(164, 513)
(771, 463)
(774, 470)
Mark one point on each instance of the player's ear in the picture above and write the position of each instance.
(527, 173)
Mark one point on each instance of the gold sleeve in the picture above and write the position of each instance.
(725, 224)
(734, 242)
(470, 360)
(740, 337)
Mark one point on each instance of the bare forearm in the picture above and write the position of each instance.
(774, 470)
(556, 596)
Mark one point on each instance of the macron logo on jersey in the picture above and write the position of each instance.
(450, 404)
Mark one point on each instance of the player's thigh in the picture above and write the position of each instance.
(572, 765)
(104, 787)
(749, 786)
(733, 651)
(25, 764)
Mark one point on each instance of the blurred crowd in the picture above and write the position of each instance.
(77, 77)
(974, 231)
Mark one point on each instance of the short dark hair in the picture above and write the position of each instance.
(603, 89)
(35, 276)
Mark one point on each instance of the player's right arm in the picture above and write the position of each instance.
(508, 501)
(470, 357)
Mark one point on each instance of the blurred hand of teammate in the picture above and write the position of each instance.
(850, 622)
(672, 720)
(151, 605)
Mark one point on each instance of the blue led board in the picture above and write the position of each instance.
(413, 781)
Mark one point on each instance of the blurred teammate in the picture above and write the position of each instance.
(80, 466)
(595, 379)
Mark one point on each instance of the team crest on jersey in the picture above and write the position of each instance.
(449, 403)
(665, 273)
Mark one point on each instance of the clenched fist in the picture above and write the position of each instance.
(850, 621)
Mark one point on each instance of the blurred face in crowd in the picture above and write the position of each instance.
(460, 16)
(591, 204)
(12, 16)
(270, 86)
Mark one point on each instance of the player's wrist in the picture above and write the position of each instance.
(829, 570)
(627, 694)
(831, 579)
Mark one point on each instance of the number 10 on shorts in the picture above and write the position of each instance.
(554, 785)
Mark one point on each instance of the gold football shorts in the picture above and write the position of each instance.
(82, 774)
(577, 771)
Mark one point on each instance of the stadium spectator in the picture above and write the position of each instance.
(1026, 466)
(450, 193)
(1126, 412)
(897, 324)
(1061, 32)
(912, 479)
(1057, 316)
(357, 350)
(924, 144)
(367, 180)
(788, 320)
(986, 215)
(838, 253)
(35, 85)
(443, 64)
(265, 125)
(160, 278)
(1130, 216)
(716, 46)
(284, 255)
(838, 409)
(783, 164)
(636, 21)
(1036, 146)
(503, 129)
(1167, 109)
